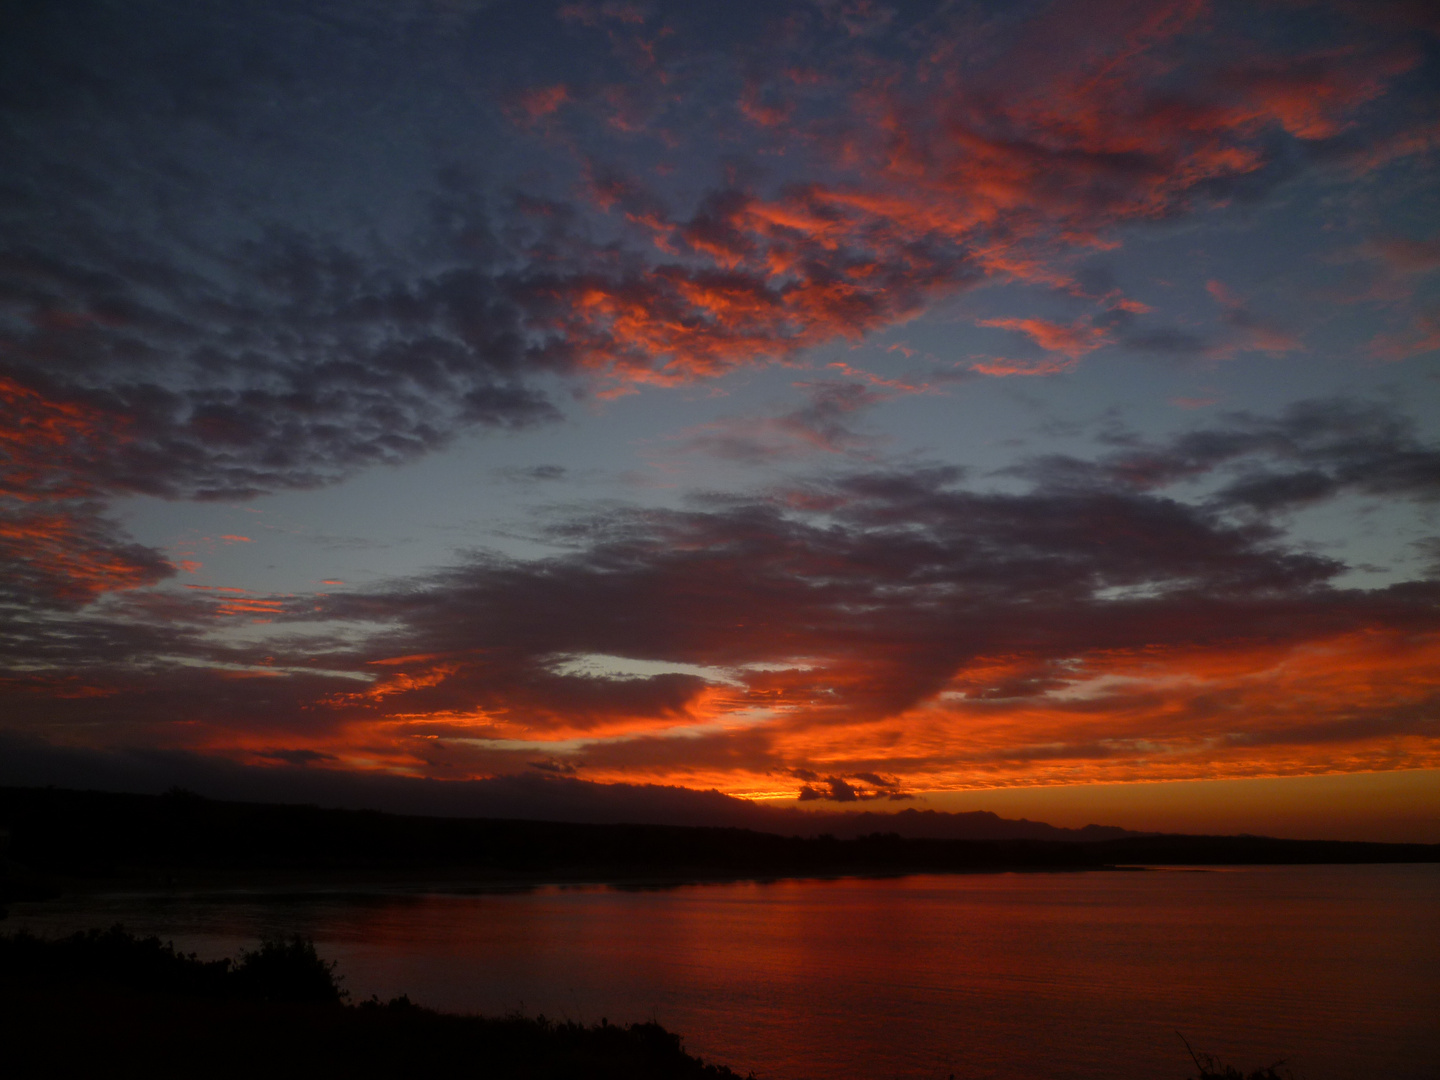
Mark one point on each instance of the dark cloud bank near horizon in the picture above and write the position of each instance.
(30, 763)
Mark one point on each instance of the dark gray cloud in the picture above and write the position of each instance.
(255, 247)
(534, 474)
(1313, 451)
(836, 789)
(264, 246)
(903, 577)
(1166, 342)
(229, 239)
(826, 422)
(65, 554)
(309, 368)
(842, 600)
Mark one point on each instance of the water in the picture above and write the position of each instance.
(1336, 969)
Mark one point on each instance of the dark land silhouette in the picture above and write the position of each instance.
(533, 796)
(110, 1004)
(57, 838)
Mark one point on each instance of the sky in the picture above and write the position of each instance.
(833, 404)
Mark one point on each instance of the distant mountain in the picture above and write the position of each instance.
(533, 797)
(179, 839)
(970, 825)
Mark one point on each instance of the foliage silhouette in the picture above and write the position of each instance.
(1211, 1068)
(109, 1003)
(280, 970)
(288, 970)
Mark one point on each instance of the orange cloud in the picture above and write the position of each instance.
(47, 447)
(939, 181)
(542, 101)
(250, 606)
(1293, 710)
(1073, 340)
(1001, 367)
(1422, 337)
(71, 555)
(886, 624)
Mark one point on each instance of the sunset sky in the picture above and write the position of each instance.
(1027, 407)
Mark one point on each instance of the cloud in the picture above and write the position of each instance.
(1168, 342)
(300, 758)
(1072, 340)
(1314, 451)
(838, 790)
(533, 474)
(1000, 368)
(897, 622)
(214, 284)
(536, 103)
(890, 630)
(1420, 338)
(68, 553)
(1409, 256)
(823, 424)
(1249, 332)
(248, 348)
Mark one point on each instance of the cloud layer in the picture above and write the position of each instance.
(866, 635)
(263, 248)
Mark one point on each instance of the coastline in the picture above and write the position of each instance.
(56, 842)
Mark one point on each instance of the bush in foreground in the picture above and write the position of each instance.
(1211, 1068)
(105, 1003)
(284, 969)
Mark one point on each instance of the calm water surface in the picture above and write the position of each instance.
(1336, 969)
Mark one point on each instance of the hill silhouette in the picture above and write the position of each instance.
(534, 796)
(56, 835)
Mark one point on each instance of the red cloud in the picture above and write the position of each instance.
(1423, 336)
(881, 623)
(71, 555)
(1001, 367)
(950, 174)
(542, 101)
(47, 447)
(1073, 340)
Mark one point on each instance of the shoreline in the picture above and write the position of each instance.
(443, 883)
(275, 886)
(54, 842)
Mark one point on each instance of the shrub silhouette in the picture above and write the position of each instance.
(113, 956)
(287, 969)
(282, 969)
(1211, 1068)
(106, 1003)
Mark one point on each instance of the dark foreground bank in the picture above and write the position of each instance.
(109, 1004)
(57, 837)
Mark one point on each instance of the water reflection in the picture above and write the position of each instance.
(998, 976)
